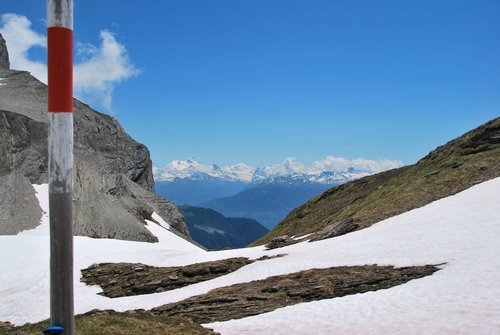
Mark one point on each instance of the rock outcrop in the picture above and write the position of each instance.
(4, 54)
(261, 296)
(280, 242)
(126, 279)
(113, 173)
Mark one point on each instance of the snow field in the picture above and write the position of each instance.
(461, 232)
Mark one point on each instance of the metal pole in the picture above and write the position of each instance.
(60, 146)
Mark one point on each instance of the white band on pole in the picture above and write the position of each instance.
(60, 13)
(60, 152)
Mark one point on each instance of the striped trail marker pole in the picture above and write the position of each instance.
(60, 145)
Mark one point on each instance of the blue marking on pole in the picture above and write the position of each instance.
(52, 330)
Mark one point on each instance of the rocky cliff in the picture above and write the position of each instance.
(113, 173)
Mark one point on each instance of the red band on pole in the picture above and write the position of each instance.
(60, 64)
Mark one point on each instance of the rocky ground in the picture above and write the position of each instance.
(245, 299)
(257, 297)
(125, 279)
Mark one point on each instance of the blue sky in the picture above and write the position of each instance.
(228, 81)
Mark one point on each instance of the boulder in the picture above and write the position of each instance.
(280, 242)
(336, 229)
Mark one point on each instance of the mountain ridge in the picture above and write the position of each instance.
(194, 170)
(450, 168)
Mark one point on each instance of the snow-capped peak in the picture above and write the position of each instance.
(193, 169)
(331, 170)
(240, 171)
(188, 169)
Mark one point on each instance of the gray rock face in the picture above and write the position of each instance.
(4, 54)
(17, 200)
(23, 146)
(113, 173)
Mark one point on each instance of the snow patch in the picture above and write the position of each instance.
(160, 220)
(166, 237)
(296, 238)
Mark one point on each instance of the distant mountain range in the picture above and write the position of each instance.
(193, 170)
(263, 194)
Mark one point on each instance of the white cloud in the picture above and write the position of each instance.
(289, 166)
(20, 38)
(97, 69)
(331, 163)
(102, 69)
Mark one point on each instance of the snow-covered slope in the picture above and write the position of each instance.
(460, 232)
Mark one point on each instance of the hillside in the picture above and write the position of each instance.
(215, 231)
(472, 158)
(268, 202)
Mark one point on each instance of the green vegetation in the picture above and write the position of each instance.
(113, 323)
(449, 169)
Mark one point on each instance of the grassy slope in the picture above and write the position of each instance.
(451, 168)
(113, 323)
